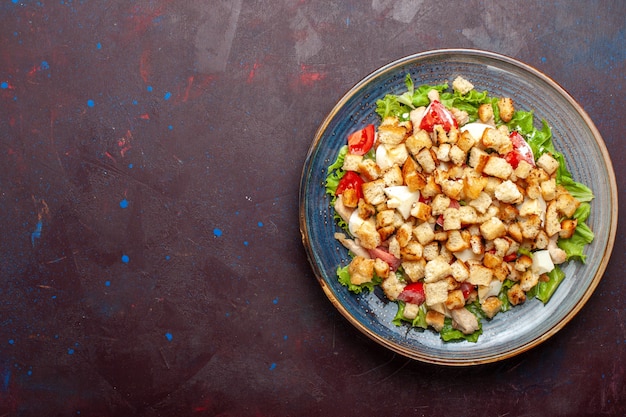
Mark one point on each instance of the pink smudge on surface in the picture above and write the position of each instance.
(308, 76)
(252, 72)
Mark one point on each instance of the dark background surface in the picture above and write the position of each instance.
(151, 260)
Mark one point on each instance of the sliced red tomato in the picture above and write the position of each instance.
(361, 141)
(467, 288)
(413, 293)
(383, 254)
(350, 180)
(510, 258)
(437, 114)
(521, 151)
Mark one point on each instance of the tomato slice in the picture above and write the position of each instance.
(383, 254)
(413, 293)
(350, 180)
(361, 141)
(521, 151)
(466, 288)
(437, 114)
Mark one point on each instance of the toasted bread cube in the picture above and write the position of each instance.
(461, 85)
(436, 292)
(522, 263)
(508, 212)
(374, 192)
(385, 232)
(413, 251)
(391, 134)
(506, 107)
(516, 295)
(368, 235)
(439, 204)
(501, 272)
(414, 270)
(482, 202)
(435, 320)
(548, 189)
(414, 179)
(426, 160)
(491, 260)
(460, 271)
(437, 269)
(404, 234)
(361, 270)
(424, 233)
(467, 215)
(392, 286)
(530, 226)
(393, 176)
(476, 245)
(369, 170)
(568, 226)
(496, 140)
(491, 306)
(457, 155)
(477, 159)
(455, 300)
(529, 280)
(419, 140)
(485, 113)
(548, 163)
(566, 204)
(465, 141)
(553, 225)
(381, 268)
(456, 242)
(451, 219)
(351, 162)
(507, 192)
(492, 228)
(523, 169)
(385, 218)
(421, 211)
(453, 188)
(443, 152)
(350, 198)
(498, 167)
(365, 210)
(431, 189)
(479, 274)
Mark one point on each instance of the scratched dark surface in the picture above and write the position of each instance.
(151, 261)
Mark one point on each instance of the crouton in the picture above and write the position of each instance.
(485, 113)
(566, 204)
(381, 268)
(548, 189)
(476, 245)
(374, 192)
(508, 212)
(451, 219)
(492, 228)
(553, 225)
(515, 232)
(431, 250)
(479, 274)
(431, 189)
(435, 320)
(397, 154)
(482, 202)
(568, 226)
(467, 215)
(506, 107)
(507, 192)
(413, 251)
(516, 295)
(368, 169)
(461, 85)
(523, 169)
(368, 235)
(530, 226)
(426, 160)
(421, 211)
(522, 263)
(443, 152)
(465, 141)
(435, 292)
(351, 162)
(393, 176)
(392, 287)
(404, 234)
(453, 189)
(497, 167)
(477, 159)
(437, 269)
(456, 242)
(496, 140)
(414, 179)
(457, 155)
(455, 300)
(414, 270)
(547, 162)
(361, 270)
(424, 233)
(417, 141)
(391, 134)
(350, 197)
(491, 306)
(491, 260)
(529, 280)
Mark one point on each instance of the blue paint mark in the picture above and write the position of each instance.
(15, 1)
(167, 95)
(275, 300)
(30, 372)
(167, 257)
(107, 283)
(135, 102)
(272, 366)
(11, 341)
(149, 88)
(217, 232)
(4, 85)
(170, 127)
(124, 203)
(169, 336)
(130, 166)
(91, 103)
(285, 337)
(125, 259)
(70, 351)
(44, 65)
(99, 45)
(5, 380)
(37, 232)
(543, 59)
(260, 224)
(347, 21)
(245, 243)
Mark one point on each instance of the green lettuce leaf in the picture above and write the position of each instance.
(574, 246)
(344, 279)
(335, 173)
(450, 334)
(546, 289)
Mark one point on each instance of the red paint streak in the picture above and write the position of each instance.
(124, 143)
(195, 86)
(108, 155)
(145, 65)
(308, 76)
(144, 116)
(252, 73)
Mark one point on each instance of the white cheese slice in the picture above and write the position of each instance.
(486, 291)
(354, 222)
(383, 160)
(542, 262)
(400, 198)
